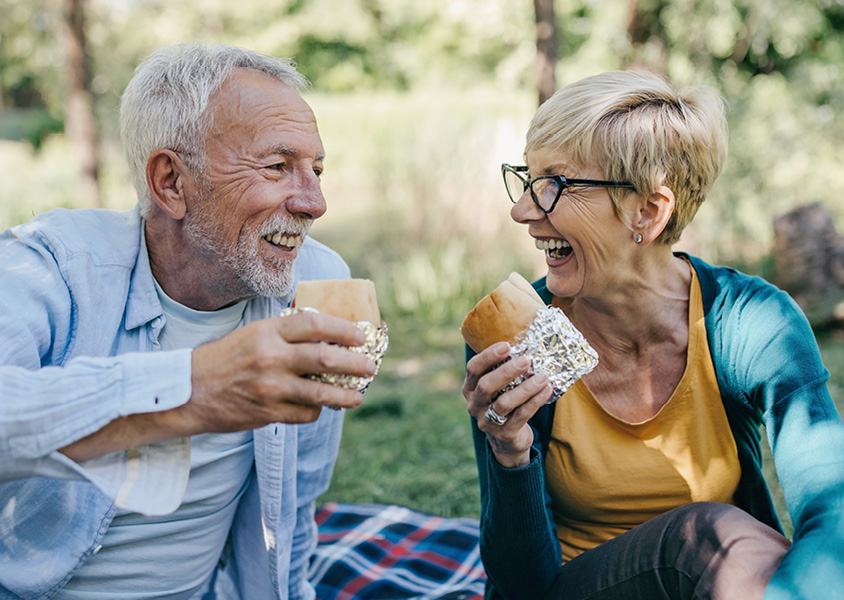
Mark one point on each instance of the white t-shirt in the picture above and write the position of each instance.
(168, 556)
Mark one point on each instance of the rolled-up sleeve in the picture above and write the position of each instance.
(49, 408)
(67, 370)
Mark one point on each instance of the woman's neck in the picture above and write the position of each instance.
(649, 306)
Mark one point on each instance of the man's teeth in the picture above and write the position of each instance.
(287, 241)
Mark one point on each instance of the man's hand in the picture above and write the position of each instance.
(247, 379)
(252, 376)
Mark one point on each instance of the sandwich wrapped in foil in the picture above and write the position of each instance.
(374, 348)
(556, 349)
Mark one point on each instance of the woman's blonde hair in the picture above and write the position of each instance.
(636, 127)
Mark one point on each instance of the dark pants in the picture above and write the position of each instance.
(699, 551)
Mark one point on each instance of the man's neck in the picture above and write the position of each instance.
(186, 276)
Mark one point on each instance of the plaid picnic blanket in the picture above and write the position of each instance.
(381, 552)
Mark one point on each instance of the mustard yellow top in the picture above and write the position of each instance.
(606, 475)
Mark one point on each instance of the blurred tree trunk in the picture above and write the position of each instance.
(645, 28)
(746, 33)
(546, 48)
(80, 124)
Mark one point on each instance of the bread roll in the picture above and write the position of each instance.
(503, 315)
(351, 299)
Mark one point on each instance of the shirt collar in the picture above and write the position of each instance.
(142, 304)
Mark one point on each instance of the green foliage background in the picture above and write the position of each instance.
(418, 104)
(780, 63)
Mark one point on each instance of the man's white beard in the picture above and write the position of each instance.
(243, 259)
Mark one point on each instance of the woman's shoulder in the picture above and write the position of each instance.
(750, 321)
(724, 287)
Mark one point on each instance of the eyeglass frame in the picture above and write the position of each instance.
(563, 183)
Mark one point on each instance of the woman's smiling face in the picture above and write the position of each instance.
(586, 244)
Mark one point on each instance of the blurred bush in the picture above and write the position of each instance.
(416, 200)
(31, 125)
(420, 102)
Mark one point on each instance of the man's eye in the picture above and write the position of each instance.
(277, 166)
(318, 172)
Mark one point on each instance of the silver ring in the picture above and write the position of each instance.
(493, 417)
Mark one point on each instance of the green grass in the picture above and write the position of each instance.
(409, 443)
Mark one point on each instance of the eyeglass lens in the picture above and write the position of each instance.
(545, 191)
(515, 183)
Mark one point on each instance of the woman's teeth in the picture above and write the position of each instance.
(284, 241)
(554, 248)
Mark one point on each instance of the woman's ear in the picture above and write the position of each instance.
(170, 182)
(653, 215)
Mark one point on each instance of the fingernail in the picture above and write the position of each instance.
(523, 362)
(540, 380)
(371, 366)
(502, 349)
(360, 338)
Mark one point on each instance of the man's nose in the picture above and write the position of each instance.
(307, 201)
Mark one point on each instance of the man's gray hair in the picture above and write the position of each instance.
(165, 104)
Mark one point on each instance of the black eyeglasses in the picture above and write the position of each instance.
(547, 189)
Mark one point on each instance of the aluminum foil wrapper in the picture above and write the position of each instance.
(556, 349)
(374, 348)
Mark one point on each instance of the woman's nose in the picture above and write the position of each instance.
(525, 209)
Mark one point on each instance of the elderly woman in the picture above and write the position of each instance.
(644, 479)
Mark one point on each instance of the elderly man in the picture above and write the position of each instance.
(156, 437)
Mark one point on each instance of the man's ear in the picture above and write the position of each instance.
(654, 213)
(170, 182)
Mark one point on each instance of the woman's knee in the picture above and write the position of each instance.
(724, 549)
(720, 527)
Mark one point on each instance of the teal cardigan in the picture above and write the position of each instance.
(769, 373)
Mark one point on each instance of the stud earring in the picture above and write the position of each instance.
(639, 238)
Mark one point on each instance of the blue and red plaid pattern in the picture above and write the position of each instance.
(379, 552)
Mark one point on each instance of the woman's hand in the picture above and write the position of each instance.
(486, 375)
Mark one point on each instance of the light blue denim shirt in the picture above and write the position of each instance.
(79, 324)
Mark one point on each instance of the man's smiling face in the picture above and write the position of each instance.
(260, 191)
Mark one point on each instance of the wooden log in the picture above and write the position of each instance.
(809, 262)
